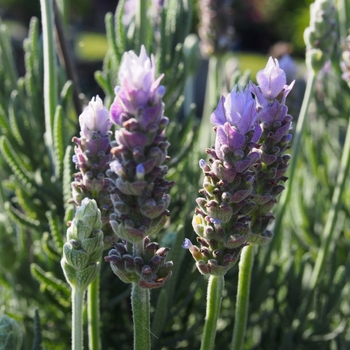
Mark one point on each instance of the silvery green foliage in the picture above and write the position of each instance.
(320, 36)
(84, 246)
(10, 334)
(33, 189)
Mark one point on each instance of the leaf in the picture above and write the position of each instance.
(15, 163)
(21, 218)
(13, 120)
(58, 141)
(67, 176)
(55, 231)
(59, 289)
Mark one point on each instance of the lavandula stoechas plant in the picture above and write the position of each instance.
(242, 179)
(92, 157)
(140, 195)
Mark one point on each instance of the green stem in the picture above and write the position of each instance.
(77, 318)
(296, 151)
(141, 21)
(140, 303)
(242, 302)
(94, 314)
(50, 79)
(214, 297)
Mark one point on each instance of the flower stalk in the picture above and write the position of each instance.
(140, 302)
(242, 304)
(93, 304)
(214, 298)
(77, 318)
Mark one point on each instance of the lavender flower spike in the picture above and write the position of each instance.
(92, 157)
(140, 194)
(221, 219)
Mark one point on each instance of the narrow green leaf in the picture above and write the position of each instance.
(59, 289)
(67, 176)
(48, 248)
(58, 141)
(112, 41)
(55, 231)
(4, 123)
(101, 79)
(7, 56)
(119, 29)
(13, 120)
(66, 93)
(20, 218)
(15, 163)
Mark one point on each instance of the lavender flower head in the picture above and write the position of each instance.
(243, 174)
(271, 80)
(95, 118)
(92, 157)
(235, 121)
(140, 195)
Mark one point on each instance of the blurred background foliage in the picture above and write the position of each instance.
(33, 208)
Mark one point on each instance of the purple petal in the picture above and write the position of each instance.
(218, 117)
(271, 79)
(187, 244)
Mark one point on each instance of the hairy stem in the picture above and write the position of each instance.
(214, 297)
(140, 303)
(242, 302)
(93, 301)
(77, 318)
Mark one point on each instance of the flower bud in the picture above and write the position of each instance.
(82, 251)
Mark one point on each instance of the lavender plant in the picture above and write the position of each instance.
(242, 180)
(139, 195)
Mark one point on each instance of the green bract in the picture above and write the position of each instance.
(82, 252)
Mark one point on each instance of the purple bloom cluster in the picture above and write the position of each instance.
(243, 175)
(92, 157)
(140, 192)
